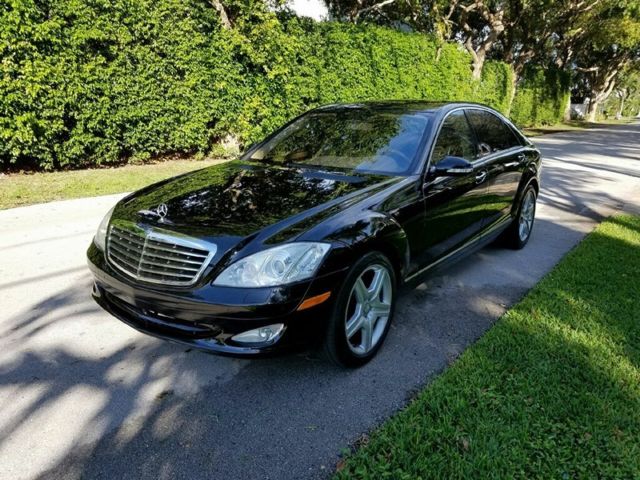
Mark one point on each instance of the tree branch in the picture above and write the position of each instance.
(496, 28)
(224, 18)
(583, 7)
(587, 70)
(377, 6)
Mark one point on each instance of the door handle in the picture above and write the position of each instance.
(521, 158)
(481, 177)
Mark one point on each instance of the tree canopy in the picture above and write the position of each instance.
(594, 40)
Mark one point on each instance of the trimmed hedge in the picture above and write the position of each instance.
(91, 82)
(542, 96)
(84, 82)
(307, 64)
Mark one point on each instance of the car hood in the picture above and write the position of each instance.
(238, 199)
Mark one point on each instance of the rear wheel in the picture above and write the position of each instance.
(362, 313)
(519, 232)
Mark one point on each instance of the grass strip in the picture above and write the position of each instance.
(551, 391)
(21, 189)
(573, 126)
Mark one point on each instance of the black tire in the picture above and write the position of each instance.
(512, 237)
(336, 346)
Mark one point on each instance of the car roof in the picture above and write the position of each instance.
(398, 106)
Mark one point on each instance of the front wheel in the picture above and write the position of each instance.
(362, 313)
(519, 232)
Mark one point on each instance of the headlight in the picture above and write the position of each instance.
(101, 235)
(276, 266)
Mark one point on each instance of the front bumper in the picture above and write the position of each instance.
(206, 317)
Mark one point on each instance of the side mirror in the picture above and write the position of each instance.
(451, 166)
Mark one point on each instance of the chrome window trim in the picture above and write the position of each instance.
(437, 134)
(480, 161)
(487, 158)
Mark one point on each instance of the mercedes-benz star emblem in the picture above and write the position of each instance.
(162, 210)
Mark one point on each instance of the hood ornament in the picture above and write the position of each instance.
(162, 210)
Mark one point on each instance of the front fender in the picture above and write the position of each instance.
(377, 231)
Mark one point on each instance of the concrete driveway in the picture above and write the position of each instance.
(82, 395)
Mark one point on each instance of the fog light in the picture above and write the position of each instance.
(259, 335)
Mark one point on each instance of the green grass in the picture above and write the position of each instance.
(573, 126)
(25, 189)
(551, 391)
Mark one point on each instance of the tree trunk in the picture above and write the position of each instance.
(478, 64)
(224, 18)
(592, 109)
(620, 109)
(512, 93)
(567, 110)
(597, 98)
(603, 83)
(623, 97)
(495, 26)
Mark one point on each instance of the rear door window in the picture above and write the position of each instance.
(493, 134)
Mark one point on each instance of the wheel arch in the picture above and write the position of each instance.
(389, 238)
(529, 178)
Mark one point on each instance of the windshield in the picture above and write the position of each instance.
(357, 139)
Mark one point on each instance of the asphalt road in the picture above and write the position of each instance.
(82, 395)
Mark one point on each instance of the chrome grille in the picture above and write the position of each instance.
(157, 256)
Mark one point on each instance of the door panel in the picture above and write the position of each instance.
(456, 210)
(455, 206)
(501, 153)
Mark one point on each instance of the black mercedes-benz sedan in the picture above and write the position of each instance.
(308, 236)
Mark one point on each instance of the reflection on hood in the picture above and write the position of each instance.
(237, 198)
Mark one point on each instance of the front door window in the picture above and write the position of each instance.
(455, 139)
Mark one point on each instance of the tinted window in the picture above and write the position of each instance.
(360, 139)
(492, 131)
(455, 139)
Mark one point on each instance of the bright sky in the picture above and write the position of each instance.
(315, 9)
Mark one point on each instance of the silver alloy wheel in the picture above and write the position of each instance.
(527, 212)
(368, 309)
